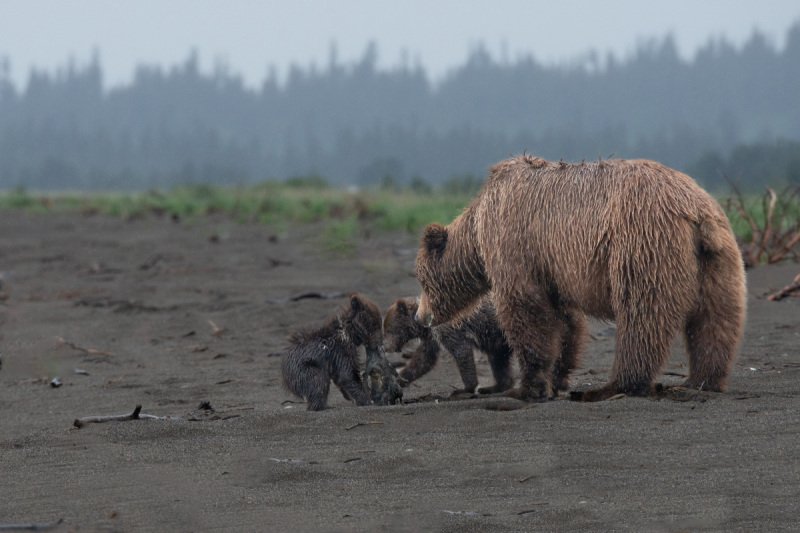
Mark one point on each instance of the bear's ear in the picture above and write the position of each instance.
(435, 238)
(355, 303)
(401, 307)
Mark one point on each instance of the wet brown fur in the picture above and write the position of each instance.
(625, 240)
(328, 353)
(478, 331)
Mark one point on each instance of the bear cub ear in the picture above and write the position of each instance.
(435, 238)
(355, 303)
(401, 307)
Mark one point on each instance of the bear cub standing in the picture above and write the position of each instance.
(478, 331)
(330, 353)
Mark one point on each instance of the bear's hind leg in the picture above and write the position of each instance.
(714, 330)
(316, 385)
(644, 334)
(348, 379)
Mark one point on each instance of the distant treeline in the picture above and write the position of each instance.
(727, 112)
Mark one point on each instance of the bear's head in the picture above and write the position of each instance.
(451, 275)
(399, 326)
(362, 322)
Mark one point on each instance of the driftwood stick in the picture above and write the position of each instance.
(308, 295)
(32, 526)
(87, 351)
(135, 415)
(786, 291)
(768, 205)
(215, 329)
(740, 206)
(750, 250)
(359, 424)
(786, 248)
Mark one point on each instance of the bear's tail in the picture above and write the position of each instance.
(716, 235)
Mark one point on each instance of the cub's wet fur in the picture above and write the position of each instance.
(478, 330)
(330, 353)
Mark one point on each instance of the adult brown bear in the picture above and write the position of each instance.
(625, 240)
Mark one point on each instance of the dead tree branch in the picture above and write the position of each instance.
(32, 526)
(359, 424)
(308, 295)
(788, 290)
(216, 331)
(87, 351)
(135, 415)
(775, 237)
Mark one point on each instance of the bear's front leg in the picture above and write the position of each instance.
(420, 363)
(535, 383)
(348, 379)
(461, 350)
(572, 340)
(533, 331)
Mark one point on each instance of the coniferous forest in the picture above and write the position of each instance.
(726, 112)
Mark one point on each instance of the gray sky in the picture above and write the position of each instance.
(250, 34)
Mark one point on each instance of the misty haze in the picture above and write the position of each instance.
(726, 112)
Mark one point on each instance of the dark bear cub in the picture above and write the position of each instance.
(478, 330)
(330, 353)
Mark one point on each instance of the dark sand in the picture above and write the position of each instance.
(145, 290)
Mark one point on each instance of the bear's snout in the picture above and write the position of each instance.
(424, 314)
(424, 319)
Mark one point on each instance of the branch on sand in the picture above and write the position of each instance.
(308, 295)
(216, 331)
(359, 424)
(87, 351)
(789, 290)
(32, 526)
(137, 414)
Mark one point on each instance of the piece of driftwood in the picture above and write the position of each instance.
(359, 424)
(425, 398)
(789, 290)
(137, 414)
(87, 351)
(45, 526)
(216, 331)
(308, 295)
(204, 412)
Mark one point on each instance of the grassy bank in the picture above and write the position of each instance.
(346, 213)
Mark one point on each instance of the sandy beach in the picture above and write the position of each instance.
(168, 315)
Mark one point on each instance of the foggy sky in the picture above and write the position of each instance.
(250, 35)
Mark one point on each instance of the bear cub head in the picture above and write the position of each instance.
(361, 322)
(399, 326)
